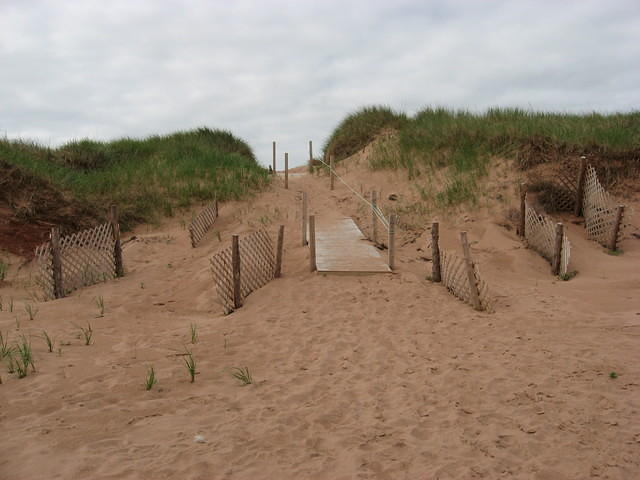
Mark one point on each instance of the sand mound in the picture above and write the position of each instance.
(354, 377)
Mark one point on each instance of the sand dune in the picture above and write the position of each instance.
(381, 376)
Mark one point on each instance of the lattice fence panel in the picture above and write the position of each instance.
(257, 267)
(540, 233)
(599, 210)
(87, 258)
(202, 222)
(454, 277)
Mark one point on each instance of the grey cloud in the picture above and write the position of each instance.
(290, 70)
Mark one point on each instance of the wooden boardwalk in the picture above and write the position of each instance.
(342, 248)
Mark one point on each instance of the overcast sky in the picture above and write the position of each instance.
(291, 70)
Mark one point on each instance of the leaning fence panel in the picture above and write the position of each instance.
(257, 268)
(540, 233)
(87, 258)
(202, 222)
(599, 210)
(454, 277)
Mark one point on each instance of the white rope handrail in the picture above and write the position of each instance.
(375, 208)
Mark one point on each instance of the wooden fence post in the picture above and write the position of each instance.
(310, 154)
(235, 267)
(280, 245)
(374, 223)
(436, 274)
(331, 171)
(613, 243)
(117, 248)
(304, 218)
(557, 250)
(56, 263)
(392, 241)
(471, 277)
(274, 158)
(286, 170)
(312, 243)
(523, 210)
(580, 192)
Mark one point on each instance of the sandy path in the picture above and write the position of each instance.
(383, 376)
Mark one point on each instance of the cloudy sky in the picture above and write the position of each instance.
(291, 70)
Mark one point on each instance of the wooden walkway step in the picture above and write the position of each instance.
(342, 248)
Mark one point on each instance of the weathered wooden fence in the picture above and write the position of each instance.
(248, 264)
(603, 217)
(202, 222)
(460, 275)
(548, 239)
(68, 263)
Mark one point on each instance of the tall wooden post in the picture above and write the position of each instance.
(523, 210)
(304, 218)
(374, 223)
(436, 274)
(279, 247)
(310, 154)
(56, 263)
(286, 170)
(117, 248)
(613, 242)
(235, 267)
(471, 277)
(312, 243)
(274, 158)
(331, 176)
(580, 192)
(557, 250)
(392, 241)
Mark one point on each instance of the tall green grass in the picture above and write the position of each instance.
(464, 141)
(147, 177)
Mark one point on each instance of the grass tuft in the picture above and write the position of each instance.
(194, 333)
(150, 380)
(100, 304)
(48, 340)
(31, 311)
(86, 333)
(243, 375)
(190, 363)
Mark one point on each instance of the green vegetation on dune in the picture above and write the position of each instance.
(464, 142)
(145, 177)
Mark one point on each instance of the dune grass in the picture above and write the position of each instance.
(146, 178)
(464, 142)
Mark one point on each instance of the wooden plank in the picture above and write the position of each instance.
(342, 248)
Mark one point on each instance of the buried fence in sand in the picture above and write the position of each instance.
(461, 276)
(546, 238)
(248, 264)
(70, 262)
(202, 222)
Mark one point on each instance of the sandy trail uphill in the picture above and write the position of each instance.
(377, 376)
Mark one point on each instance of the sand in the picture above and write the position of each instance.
(379, 376)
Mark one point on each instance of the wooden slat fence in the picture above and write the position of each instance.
(454, 277)
(202, 222)
(87, 257)
(257, 268)
(600, 211)
(540, 233)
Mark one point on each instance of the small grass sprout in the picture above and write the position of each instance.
(190, 363)
(31, 311)
(11, 304)
(613, 375)
(48, 340)
(100, 304)
(25, 357)
(568, 275)
(194, 333)
(243, 375)
(5, 349)
(150, 380)
(86, 333)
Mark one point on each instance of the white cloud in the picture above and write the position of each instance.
(291, 70)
